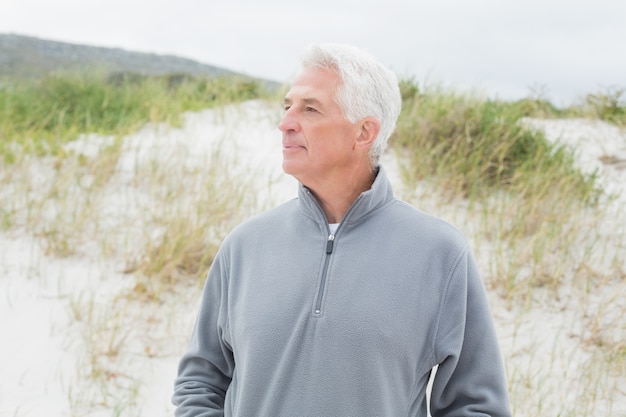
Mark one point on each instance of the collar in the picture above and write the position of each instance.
(377, 196)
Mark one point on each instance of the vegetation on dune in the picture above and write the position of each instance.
(475, 146)
(40, 116)
(609, 105)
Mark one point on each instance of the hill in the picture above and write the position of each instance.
(30, 57)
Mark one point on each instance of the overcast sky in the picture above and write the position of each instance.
(504, 48)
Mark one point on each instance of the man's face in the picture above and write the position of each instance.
(318, 141)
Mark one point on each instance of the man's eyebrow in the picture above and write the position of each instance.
(315, 101)
(311, 101)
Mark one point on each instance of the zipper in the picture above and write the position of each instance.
(330, 243)
(320, 295)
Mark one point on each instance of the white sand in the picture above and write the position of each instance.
(48, 335)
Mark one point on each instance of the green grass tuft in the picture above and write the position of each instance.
(475, 146)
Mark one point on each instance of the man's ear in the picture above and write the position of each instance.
(370, 127)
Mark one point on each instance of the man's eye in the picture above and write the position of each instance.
(287, 107)
(310, 109)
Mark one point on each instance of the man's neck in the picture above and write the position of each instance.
(336, 197)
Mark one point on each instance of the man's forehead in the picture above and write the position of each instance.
(308, 95)
(313, 84)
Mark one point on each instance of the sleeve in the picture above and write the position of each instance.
(205, 370)
(470, 379)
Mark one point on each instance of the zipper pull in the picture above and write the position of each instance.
(329, 244)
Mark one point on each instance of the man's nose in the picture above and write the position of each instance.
(288, 122)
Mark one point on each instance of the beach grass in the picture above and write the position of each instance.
(44, 114)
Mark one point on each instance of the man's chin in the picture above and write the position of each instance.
(288, 168)
(293, 169)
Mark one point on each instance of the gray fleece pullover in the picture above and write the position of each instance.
(297, 322)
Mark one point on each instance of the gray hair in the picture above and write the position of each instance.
(368, 88)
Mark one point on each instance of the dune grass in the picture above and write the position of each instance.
(43, 115)
(608, 104)
(476, 146)
(38, 119)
